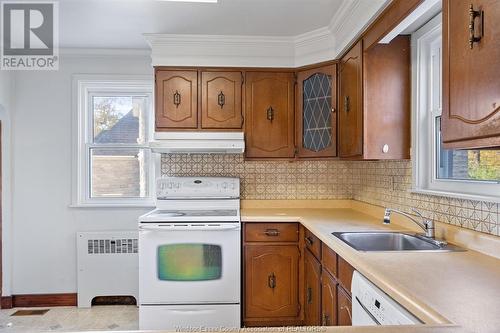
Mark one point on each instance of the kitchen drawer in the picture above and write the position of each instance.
(345, 271)
(329, 259)
(271, 232)
(312, 243)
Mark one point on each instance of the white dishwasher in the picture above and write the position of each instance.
(371, 306)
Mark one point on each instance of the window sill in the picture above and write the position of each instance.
(456, 195)
(113, 205)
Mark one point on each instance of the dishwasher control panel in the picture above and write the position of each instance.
(371, 306)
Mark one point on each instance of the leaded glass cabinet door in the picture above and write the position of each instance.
(316, 112)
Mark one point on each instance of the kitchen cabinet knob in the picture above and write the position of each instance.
(221, 99)
(385, 149)
(271, 281)
(270, 114)
(177, 99)
(309, 241)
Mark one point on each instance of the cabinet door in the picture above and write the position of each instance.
(312, 277)
(471, 82)
(221, 100)
(176, 99)
(271, 281)
(269, 115)
(351, 103)
(316, 112)
(328, 300)
(344, 304)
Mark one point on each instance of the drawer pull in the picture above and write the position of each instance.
(272, 232)
(309, 295)
(271, 281)
(309, 241)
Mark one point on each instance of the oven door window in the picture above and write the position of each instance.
(189, 262)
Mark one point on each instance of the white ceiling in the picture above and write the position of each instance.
(121, 23)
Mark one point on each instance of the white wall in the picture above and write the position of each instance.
(44, 226)
(6, 84)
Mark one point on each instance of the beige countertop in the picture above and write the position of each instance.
(445, 289)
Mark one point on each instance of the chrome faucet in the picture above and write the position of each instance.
(427, 225)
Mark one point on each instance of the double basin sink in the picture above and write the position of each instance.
(393, 241)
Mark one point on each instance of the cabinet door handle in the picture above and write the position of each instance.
(272, 232)
(177, 99)
(347, 104)
(309, 295)
(270, 114)
(221, 99)
(271, 281)
(473, 14)
(309, 241)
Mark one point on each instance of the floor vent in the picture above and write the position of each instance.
(108, 265)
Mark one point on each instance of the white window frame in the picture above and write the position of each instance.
(84, 88)
(426, 79)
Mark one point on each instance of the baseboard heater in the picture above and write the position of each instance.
(108, 265)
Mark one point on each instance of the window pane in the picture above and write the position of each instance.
(119, 119)
(118, 173)
(472, 164)
(189, 262)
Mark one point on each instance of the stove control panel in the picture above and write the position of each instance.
(197, 187)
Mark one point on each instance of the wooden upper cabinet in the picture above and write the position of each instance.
(316, 116)
(471, 80)
(221, 105)
(176, 99)
(351, 103)
(269, 115)
(387, 100)
(271, 281)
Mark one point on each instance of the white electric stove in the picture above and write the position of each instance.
(189, 255)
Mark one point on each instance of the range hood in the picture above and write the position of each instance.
(198, 142)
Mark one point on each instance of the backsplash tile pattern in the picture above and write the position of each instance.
(388, 183)
(383, 183)
(268, 179)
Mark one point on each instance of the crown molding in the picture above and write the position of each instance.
(319, 45)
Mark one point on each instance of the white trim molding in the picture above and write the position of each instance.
(426, 108)
(84, 86)
(319, 45)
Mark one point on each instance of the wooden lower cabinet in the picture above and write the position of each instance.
(344, 304)
(328, 299)
(312, 278)
(272, 275)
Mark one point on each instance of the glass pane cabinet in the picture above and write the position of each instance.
(316, 112)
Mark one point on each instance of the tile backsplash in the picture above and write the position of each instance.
(268, 179)
(383, 183)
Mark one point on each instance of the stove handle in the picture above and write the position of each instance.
(189, 228)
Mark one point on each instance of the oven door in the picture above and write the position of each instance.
(189, 264)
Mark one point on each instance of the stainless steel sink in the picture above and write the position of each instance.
(392, 241)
